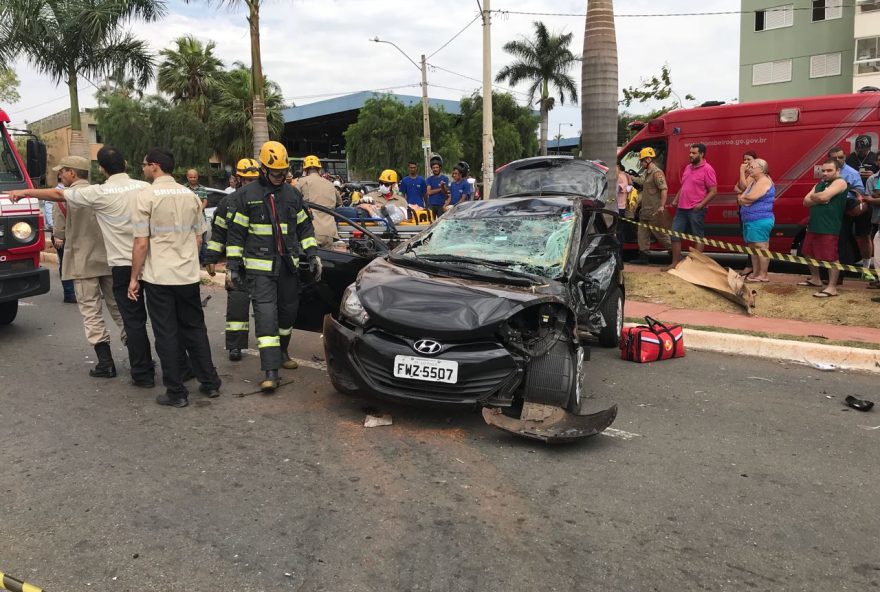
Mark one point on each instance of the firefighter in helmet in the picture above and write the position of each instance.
(237, 299)
(270, 236)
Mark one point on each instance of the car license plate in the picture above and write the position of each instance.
(425, 369)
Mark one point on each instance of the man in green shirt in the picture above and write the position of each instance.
(827, 202)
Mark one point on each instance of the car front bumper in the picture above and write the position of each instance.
(362, 362)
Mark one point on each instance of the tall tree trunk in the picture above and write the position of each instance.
(545, 117)
(259, 121)
(599, 90)
(78, 144)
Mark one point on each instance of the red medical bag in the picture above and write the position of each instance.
(651, 342)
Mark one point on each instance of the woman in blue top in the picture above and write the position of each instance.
(460, 189)
(756, 203)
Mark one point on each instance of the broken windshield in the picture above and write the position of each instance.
(531, 244)
(552, 175)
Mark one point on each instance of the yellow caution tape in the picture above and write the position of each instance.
(13, 585)
(864, 271)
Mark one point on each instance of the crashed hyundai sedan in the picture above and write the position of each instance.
(492, 306)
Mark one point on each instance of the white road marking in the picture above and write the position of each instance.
(613, 433)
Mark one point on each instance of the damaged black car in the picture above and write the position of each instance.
(495, 305)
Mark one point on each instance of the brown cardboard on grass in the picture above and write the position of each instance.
(699, 269)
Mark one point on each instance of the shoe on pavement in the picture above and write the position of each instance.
(287, 363)
(234, 355)
(270, 383)
(165, 399)
(210, 391)
(145, 384)
(70, 299)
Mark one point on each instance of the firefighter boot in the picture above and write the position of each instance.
(286, 362)
(271, 381)
(105, 367)
(234, 355)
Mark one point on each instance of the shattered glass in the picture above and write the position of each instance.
(551, 176)
(530, 244)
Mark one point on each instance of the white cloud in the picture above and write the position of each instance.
(313, 51)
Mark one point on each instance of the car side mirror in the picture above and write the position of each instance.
(36, 158)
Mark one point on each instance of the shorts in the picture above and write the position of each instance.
(689, 222)
(820, 246)
(862, 223)
(758, 231)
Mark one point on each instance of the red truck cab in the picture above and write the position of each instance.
(792, 135)
(21, 225)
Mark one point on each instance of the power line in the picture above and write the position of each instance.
(454, 36)
(504, 88)
(349, 92)
(670, 14)
(58, 98)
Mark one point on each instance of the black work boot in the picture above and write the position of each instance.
(234, 355)
(105, 367)
(287, 363)
(271, 381)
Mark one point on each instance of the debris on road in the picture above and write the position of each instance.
(375, 421)
(823, 366)
(205, 301)
(859, 404)
(549, 423)
(700, 270)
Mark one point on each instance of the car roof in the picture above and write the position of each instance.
(511, 206)
(532, 159)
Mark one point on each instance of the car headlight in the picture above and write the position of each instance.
(351, 307)
(23, 231)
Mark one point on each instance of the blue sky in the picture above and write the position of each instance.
(318, 49)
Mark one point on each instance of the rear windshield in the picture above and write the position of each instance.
(568, 176)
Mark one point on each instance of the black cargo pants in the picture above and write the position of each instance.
(275, 300)
(238, 306)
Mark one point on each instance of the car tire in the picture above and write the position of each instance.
(612, 314)
(8, 312)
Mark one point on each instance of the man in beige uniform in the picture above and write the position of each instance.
(318, 190)
(168, 224)
(85, 257)
(653, 204)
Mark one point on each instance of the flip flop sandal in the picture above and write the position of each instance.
(859, 404)
(754, 280)
(809, 283)
(823, 294)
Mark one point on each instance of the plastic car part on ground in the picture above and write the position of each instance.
(703, 271)
(549, 423)
(859, 404)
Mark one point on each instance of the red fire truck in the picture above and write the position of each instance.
(792, 135)
(21, 225)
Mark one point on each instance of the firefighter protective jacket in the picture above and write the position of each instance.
(267, 227)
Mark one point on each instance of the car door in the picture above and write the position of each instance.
(340, 268)
(599, 263)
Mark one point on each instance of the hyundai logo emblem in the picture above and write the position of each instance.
(427, 346)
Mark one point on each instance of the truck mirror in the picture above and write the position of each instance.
(36, 158)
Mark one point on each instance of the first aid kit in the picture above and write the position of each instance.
(651, 342)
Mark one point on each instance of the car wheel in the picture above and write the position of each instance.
(8, 311)
(612, 314)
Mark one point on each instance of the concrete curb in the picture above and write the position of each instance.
(801, 352)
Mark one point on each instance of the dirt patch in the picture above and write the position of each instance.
(780, 301)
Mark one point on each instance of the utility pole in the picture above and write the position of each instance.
(426, 122)
(488, 138)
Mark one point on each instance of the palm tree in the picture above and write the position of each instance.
(599, 89)
(232, 116)
(543, 61)
(190, 74)
(77, 39)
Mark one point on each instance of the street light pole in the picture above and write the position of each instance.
(488, 137)
(426, 120)
(559, 136)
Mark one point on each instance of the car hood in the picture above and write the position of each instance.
(418, 304)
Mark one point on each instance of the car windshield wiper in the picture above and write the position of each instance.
(474, 268)
(503, 266)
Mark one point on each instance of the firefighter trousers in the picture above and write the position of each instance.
(275, 300)
(238, 305)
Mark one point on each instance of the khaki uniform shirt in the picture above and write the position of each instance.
(112, 204)
(84, 252)
(318, 190)
(171, 216)
(394, 199)
(653, 182)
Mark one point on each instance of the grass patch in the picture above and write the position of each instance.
(852, 307)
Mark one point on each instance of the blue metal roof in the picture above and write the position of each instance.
(563, 143)
(356, 101)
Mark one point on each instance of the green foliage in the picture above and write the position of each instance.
(388, 134)
(656, 88)
(8, 86)
(190, 74)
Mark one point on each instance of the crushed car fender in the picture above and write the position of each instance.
(550, 424)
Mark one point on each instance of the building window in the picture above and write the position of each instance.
(771, 72)
(826, 64)
(774, 18)
(826, 10)
(868, 5)
(867, 55)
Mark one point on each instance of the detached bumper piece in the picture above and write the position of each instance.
(550, 424)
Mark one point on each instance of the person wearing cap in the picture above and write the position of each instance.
(316, 189)
(85, 257)
(238, 301)
(168, 223)
(270, 233)
(387, 200)
(438, 186)
(652, 204)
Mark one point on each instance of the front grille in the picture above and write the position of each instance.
(13, 266)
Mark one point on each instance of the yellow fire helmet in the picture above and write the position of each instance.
(311, 162)
(247, 167)
(273, 155)
(647, 153)
(388, 176)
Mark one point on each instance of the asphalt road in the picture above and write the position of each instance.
(722, 473)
